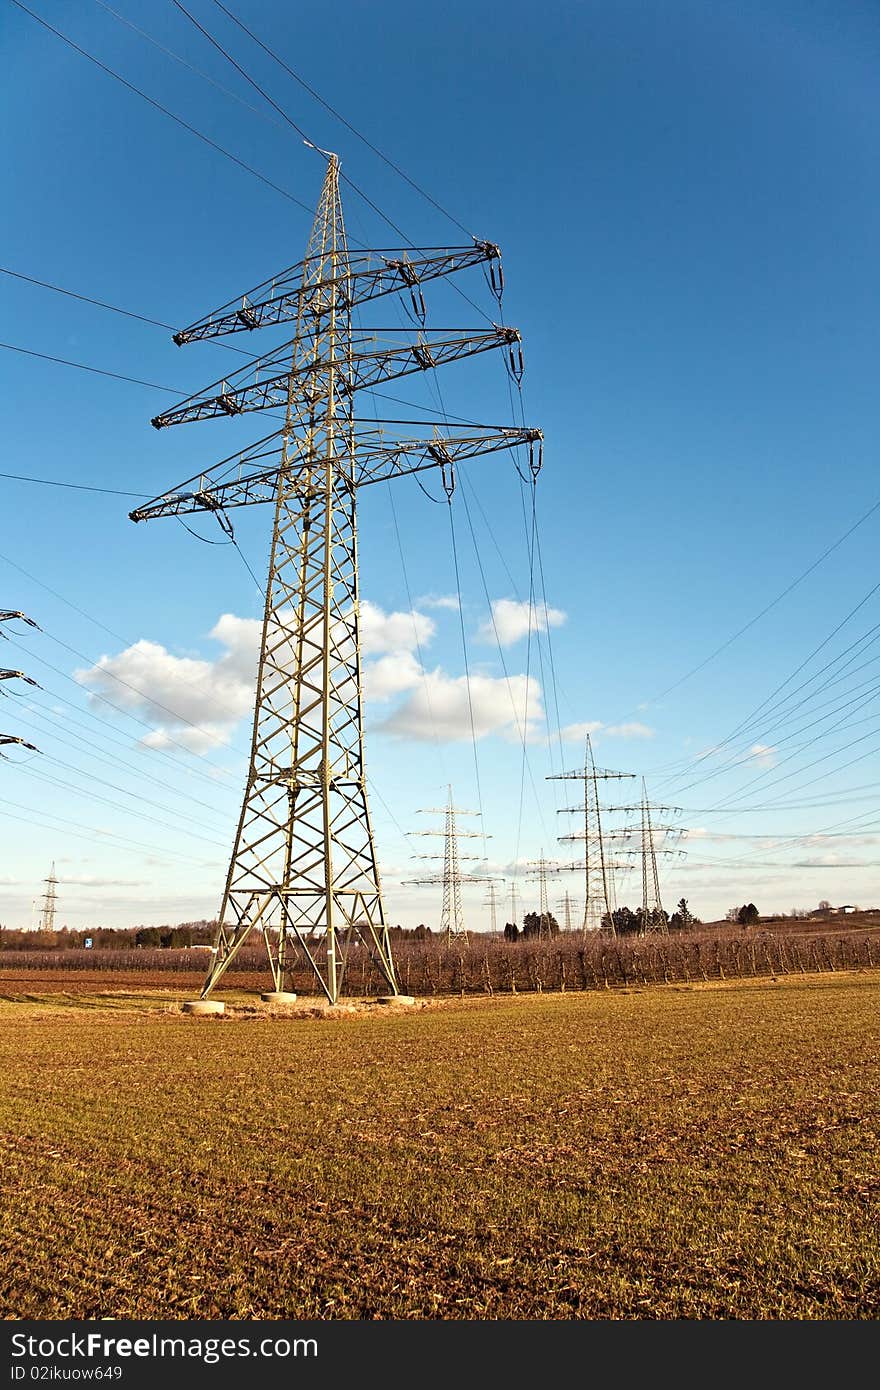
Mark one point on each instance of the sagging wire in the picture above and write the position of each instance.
(520, 727)
(228, 530)
(449, 484)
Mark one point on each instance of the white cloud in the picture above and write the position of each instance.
(190, 700)
(391, 675)
(512, 620)
(761, 753)
(576, 733)
(393, 632)
(439, 708)
(449, 601)
(197, 702)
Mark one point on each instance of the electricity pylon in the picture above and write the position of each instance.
(304, 862)
(539, 870)
(654, 918)
(451, 878)
(597, 869)
(492, 903)
(567, 907)
(514, 903)
(50, 902)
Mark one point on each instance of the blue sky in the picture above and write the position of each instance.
(686, 199)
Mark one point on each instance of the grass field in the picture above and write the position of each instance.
(673, 1152)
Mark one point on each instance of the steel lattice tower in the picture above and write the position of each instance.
(597, 868)
(50, 902)
(492, 904)
(565, 908)
(653, 915)
(451, 913)
(304, 868)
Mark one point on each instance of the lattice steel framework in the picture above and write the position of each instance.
(653, 914)
(50, 902)
(597, 867)
(451, 878)
(303, 868)
(492, 904)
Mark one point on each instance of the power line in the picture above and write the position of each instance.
(778, 599)
(247, 77)
(163, 109)
(185, 62)
(72, 294)
(84, 367)
(339, 117)
(93, 834)
(351, 183)
(78, 487)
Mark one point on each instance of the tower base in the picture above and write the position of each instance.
(203, 1008)
(278, 996)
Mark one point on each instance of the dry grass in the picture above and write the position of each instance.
(681, 1152)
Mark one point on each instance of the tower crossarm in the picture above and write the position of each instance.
(18, 675)
(266, 382)
(579, 868)
(579, 774)
(436, 879)
(13, 738)
(251, 476)
(629, 832)
(636, 851)
(284, 297)
(7, 615)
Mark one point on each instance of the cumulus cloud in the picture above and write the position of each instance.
(197, 702)
(393, 632)
(449, 601)
(391, 675)
(191, 701)
(439, 707)
(761, 753)
(576, 733)
(512, 620)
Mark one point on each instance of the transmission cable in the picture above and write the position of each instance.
(164, 109)
(83, 367)
(339, 117)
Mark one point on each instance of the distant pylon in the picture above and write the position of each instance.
(451, 914)
(597, 869)
(654, 918)
(50, 902)
(492, 904)
(567, 907)
(514, 903)
(539, 870)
